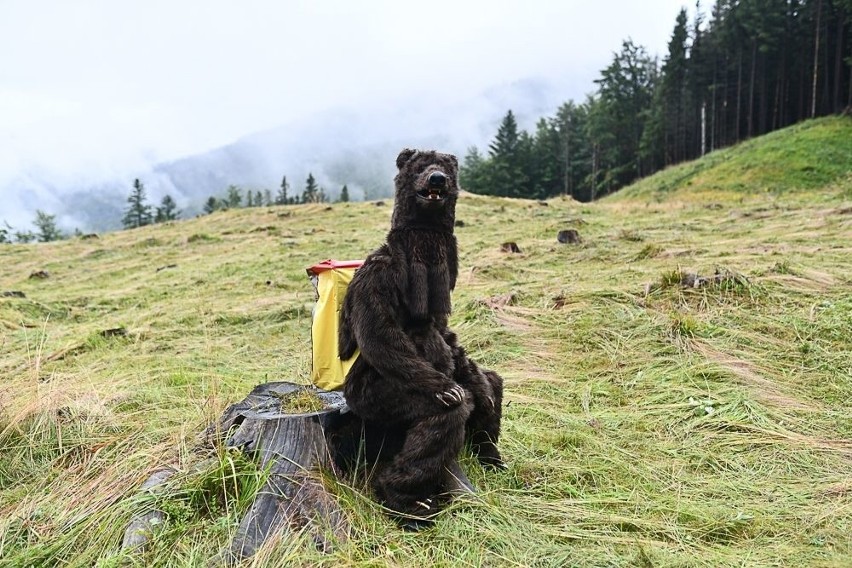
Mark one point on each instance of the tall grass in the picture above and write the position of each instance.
(647, 422)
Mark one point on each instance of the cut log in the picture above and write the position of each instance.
(298, 433)
(294, 444)
(298, 447)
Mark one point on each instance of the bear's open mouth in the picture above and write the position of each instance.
(431, 194)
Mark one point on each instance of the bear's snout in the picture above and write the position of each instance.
(437, 179)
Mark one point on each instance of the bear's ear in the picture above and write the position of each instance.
(454, 161)
(404, 156)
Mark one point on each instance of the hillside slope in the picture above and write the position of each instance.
(647, 422)
(807, 156)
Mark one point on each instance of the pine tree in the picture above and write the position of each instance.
(46, 225)
(249, 198)
(312, 191)
(281, 198)
(5, 233)
(507, 174)
(474, 173)
(25, 236)
(530, 184)
(544, 159)
(625, 92)
(138, 213)
(234, 198)
(167, 211)
(574, 161)
(673, 98)
(344, 194)
(211, 205)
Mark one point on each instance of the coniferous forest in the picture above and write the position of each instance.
(745, 69)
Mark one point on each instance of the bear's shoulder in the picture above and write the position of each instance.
(380, 256)
(376, 265)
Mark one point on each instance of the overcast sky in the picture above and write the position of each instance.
(93, 85)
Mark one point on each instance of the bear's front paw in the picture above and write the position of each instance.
(452, 397)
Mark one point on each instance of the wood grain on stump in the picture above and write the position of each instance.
(294, 446)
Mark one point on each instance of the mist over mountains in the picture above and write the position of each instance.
(356, 147)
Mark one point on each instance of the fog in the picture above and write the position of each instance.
(192, 96)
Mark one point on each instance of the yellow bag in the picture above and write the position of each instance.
(330, 279)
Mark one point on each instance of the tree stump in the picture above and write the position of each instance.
(569, 236)
(296, 445)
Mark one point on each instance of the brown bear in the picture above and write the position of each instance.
(413, 385)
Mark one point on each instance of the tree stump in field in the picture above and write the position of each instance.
(298, 432)
(290, 429)
(569, 236)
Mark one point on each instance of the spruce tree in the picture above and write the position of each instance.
(138, 213)
(234, 198)
(249, 198)
(46, 225)
(507, 172)
(167, 211)
(312, 191)
(474, 173)
(281, 198)
(625, 92)
(211, 205)
(5, 233)
(673, 99)
(574, 148)
(267, 197)
(344, 194)
(25, 236)
(545, 159)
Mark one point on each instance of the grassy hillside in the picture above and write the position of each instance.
(647, 423)
(807, 156)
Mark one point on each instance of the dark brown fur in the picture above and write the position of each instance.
(413, 383)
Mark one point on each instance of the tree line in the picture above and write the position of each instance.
(752, 67)
(46, 230)
(139, 212)
(312, 193)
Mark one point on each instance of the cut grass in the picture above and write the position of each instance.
(646, 422)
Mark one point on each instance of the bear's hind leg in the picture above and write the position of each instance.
(486, 389)
(410, 484)
(483, 427)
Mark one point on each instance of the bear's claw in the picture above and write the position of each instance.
(452, 397)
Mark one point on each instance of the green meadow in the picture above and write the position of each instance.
(678, 384)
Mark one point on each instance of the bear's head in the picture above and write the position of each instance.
(426, 190)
